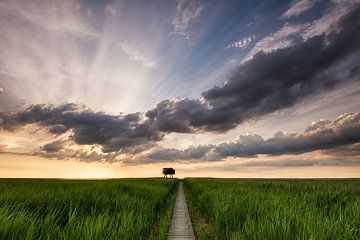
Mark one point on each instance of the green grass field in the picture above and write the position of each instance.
(142, 208)
(274, 209)
(86, 209)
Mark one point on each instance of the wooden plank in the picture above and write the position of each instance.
(181, 227)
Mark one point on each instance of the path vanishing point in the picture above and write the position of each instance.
(181, 227)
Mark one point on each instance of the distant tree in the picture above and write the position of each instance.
(168, 171)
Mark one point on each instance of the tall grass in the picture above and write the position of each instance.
(85, 209)
(274, 209)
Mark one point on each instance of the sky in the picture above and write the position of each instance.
(111, 89)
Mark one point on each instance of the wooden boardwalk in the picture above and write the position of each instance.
(181, 227)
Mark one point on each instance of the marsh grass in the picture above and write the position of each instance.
(274, 209)
(86, 209)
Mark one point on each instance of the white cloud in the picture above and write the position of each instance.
(330, 20)
(286, 35)
(109, 9)
(136, 56)
(187, 12)
(298, 7)
(242, 43)
(282, 38)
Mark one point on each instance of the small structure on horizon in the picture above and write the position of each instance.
(168, 171)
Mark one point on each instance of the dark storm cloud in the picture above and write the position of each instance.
(177, 116)
(60, 150)
(113, 133)
(268, 82)
(53, 146)
(58, 129)
(320, 135)
(279, 163)
(197, 152)
(352, 150)
(130, 134)
(302, 163)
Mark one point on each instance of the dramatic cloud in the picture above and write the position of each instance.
(187, 12)
(268, 82)
(54, 146)
(330, 20)
(352, 150)
(289, 34)
(178, 116)
(242, 43)
(130, 134)
(289, 163)
(64, 150)
(197, 152)
(298, 7)
(320, 135)
(127, 133)
(285, 37)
